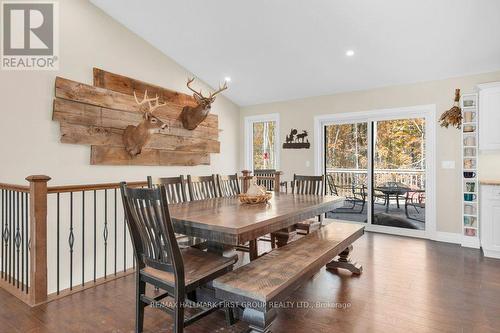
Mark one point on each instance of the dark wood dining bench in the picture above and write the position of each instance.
(256, 287)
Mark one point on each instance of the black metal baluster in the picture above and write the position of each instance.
(9, 235)
(22, 241)
(124, 244)
(17, 239)
(105, 232)
(83, 238)
(115, 230)
(95, 235)
(26, 242)
(58, 222)
(71, 240)
(3, 220)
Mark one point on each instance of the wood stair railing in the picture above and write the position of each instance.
(26, 213)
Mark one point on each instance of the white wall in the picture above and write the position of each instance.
(300, 114)
(89, 38)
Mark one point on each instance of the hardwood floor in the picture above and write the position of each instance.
(408, 285)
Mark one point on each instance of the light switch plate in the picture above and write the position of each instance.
(308, 164)
(448, 164)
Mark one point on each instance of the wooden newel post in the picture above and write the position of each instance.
(38, 238)
(277, 182)
(246, 180)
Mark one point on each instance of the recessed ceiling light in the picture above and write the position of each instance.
(227, 79)
(349, 53)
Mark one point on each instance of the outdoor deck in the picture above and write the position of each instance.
(396, 217)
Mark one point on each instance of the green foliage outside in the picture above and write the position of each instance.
(264, 145)
(400, 144)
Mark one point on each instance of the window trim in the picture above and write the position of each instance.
(248, 147)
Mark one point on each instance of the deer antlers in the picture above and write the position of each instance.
(152, 107)
(192, 116)
(199, 94)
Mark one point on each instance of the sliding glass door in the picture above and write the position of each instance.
(398, 190)
(379, 166)
(346, 168)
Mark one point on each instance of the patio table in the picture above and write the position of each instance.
(389, 189)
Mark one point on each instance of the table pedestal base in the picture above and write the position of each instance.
(284, 235)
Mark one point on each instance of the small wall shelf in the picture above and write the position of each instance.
(470, 184)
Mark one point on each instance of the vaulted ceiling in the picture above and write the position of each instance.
(286, 49)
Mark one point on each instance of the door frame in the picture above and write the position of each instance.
(420, 111)
(248, 134)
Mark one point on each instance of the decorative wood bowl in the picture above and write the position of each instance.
(252, 199)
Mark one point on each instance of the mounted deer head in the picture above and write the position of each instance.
(136, 137)
(191, 117)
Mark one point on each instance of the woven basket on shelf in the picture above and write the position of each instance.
(251, 199)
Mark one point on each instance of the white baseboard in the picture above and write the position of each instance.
(447, 237)
(491, 253)
(438, 236)
(471, 242)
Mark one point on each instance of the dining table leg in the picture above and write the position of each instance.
(253, 250)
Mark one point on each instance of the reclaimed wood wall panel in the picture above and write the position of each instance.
(102, 136)
(126, 85)
(105, 155)
(98, 116)
(91, 115)
(83, 93)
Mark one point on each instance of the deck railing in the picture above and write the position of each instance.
(345, 178)
(81, 229)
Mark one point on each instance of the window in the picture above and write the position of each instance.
(262, 142)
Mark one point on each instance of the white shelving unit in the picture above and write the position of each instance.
(470, 183)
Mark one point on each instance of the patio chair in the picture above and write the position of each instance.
(415, 199)
(357, 194)
(160, 261)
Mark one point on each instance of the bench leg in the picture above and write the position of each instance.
(345, 262)
(258, 322)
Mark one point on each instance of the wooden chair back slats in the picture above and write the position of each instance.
(308, 185)
(175, 188)
(201, 188)
(151, 229)
(229, 186)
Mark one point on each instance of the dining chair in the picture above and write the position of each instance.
(202, 187)
(312, 185)
(160, 261)
(175, 187)
(228, 186)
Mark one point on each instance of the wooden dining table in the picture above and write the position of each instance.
(227, 222)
